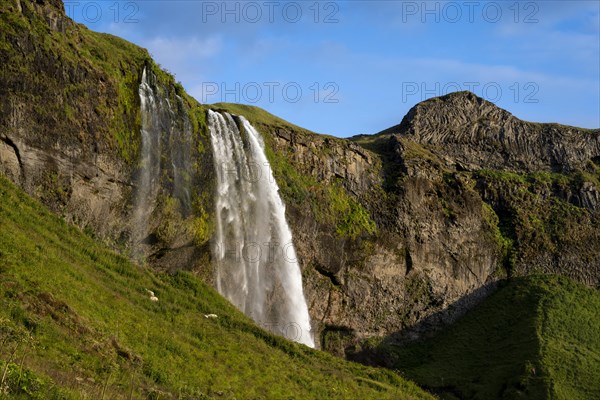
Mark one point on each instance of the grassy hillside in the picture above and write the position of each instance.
(76, 322)
(536, 338)
(256, 115)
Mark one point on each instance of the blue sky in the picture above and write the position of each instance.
(351, 67)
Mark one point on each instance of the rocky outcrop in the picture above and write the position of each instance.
(474, 133)
(328, 159)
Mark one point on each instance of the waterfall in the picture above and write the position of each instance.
(257, 269)
(149, 172)
(166, 130)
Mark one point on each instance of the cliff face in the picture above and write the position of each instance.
(519, 198)
(54, 140)
(541, 180)
(403, 229)
(475, 134)
(71, 121)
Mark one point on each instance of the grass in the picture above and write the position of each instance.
(537, 337)
(378, 143)
(76, 322)
(256, 115)
(348, 216)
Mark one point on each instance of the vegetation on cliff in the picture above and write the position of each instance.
(43, 51)
(546, 224)
(86, 81)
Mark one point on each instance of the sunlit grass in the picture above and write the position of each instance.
(92, 331)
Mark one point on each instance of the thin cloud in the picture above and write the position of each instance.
(183, 55)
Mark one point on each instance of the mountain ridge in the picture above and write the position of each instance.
(479, 134)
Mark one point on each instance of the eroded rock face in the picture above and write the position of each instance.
(476, 134)
(87, 190)
(328, 159)
(446, 230)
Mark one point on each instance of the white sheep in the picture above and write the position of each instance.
(210, 315)
(152, 296)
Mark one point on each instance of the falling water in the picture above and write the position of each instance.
(149, 172)
(257, 267)
(166, 130)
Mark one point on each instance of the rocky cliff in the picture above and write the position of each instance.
(474, 134)
(70, 131)
(434, 228)
(396, 232)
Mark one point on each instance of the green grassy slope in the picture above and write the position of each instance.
(259, 117)
(255, 115)
(76, 322)
(535, 338)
